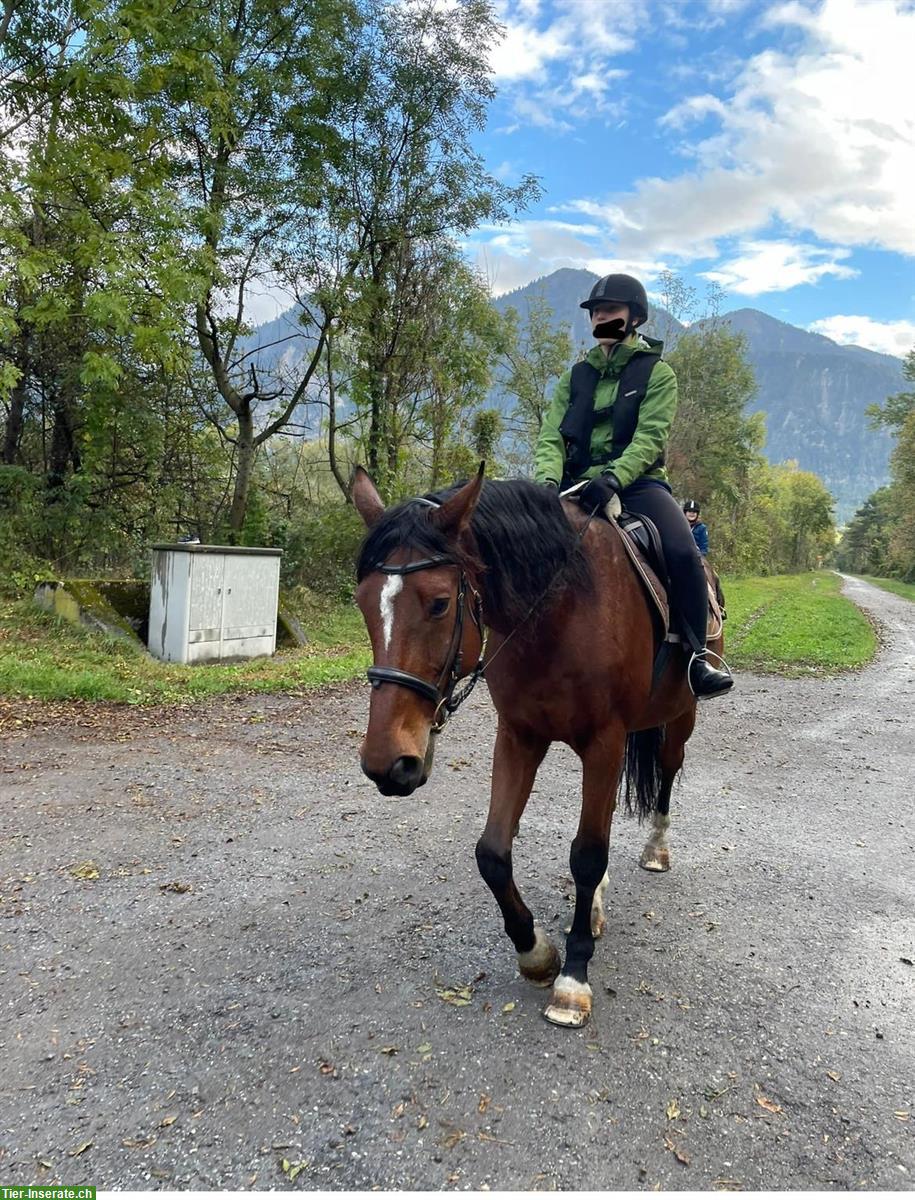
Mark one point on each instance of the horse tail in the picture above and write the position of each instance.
(641, 778)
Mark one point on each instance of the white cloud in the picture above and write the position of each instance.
(887, 337)
(556, 61)
(510, 256)
(821, 139)
(693, 109)
(775, 266)
(524, 52)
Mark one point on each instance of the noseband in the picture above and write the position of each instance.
(441, 693)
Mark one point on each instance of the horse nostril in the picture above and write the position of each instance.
(407, 771)
(404, 776)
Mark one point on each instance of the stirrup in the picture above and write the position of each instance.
(703, 654)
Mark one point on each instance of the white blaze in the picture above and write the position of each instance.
(392, 586)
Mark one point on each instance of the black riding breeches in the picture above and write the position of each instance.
(688, 588)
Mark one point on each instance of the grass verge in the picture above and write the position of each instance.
(787, 624)
(795, 625)
(906, 590)
(46, 658)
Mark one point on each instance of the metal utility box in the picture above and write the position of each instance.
(212, 602)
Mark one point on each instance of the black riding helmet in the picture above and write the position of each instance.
(620, 289)
(691, 506)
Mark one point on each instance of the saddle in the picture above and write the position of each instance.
(642, 543)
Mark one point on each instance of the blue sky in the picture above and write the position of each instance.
(767, 146)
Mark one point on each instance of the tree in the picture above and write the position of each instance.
(714, 441)
(865, 544)
(536, 354)
(409, 185)
(898, 415)
(249, 110)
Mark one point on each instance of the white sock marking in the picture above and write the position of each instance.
(392, 586)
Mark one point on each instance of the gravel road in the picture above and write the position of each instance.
(254, 976)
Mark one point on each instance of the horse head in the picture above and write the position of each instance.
(418, 596)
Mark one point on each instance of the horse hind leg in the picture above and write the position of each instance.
(655, 854)
(515, 764)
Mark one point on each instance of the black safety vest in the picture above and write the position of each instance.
(580, 417)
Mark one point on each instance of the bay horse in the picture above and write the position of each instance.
(569, 658)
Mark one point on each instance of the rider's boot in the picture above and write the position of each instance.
(704, 679)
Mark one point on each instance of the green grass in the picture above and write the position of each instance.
(795, 625)
(47, 658)
(787, 624)
(906, 590)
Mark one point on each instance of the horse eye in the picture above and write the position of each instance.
(439, 607)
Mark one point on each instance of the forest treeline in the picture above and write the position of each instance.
(166, 166)
(880, 538)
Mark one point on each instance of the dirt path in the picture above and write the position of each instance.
(254, 974)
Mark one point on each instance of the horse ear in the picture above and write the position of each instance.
(454, 515)
(365, 496)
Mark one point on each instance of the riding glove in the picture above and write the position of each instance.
(599, 491)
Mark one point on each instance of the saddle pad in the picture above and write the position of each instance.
(657, 595)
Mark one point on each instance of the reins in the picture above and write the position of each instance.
(442, 693)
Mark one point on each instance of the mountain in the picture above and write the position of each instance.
(565, 289)
(814, 392)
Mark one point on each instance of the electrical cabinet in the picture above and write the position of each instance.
(213, 602)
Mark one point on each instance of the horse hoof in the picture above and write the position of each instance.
(597, 927)
(541, 964)
(655, 860)
(570, 1004)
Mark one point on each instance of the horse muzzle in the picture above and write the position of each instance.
(402, 777)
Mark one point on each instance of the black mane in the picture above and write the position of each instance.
(523, 540)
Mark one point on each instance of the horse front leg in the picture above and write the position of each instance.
(515, 764)
(570, 1002)
(656, 852)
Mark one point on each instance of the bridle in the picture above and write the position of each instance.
(442, 692)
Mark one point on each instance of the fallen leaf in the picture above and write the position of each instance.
(166, 1121)
(485, 1102)
(425, 1048)
(727, 1185)
(834, 1076)
(768, 1105)
(510, 1007)
(292, 1169)
(458, 996)
(179, 888)
(713, 1092)
(140, 1143)
(388, 1050)
(86, 870)
(80, 1149)
(398, 1110)
(680, 1155)
(902, 1114)
(673, 1110)
(451, 1139)
(422, 1122)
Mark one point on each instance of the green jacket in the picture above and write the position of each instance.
(656, 416)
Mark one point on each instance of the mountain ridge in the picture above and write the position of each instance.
(813, 391)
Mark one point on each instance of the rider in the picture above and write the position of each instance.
(617, 444)
(699, 528)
